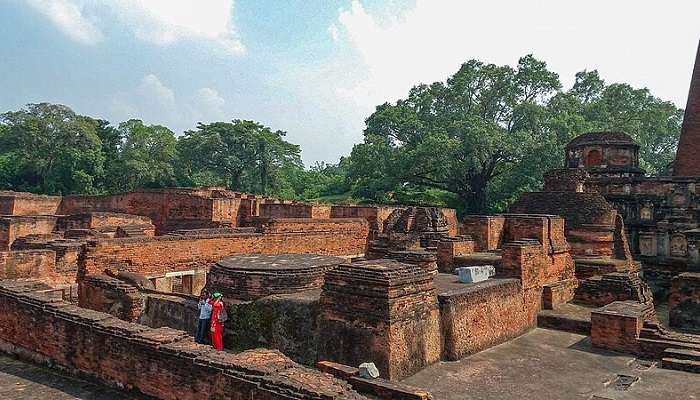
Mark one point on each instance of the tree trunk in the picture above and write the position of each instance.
(474, 198)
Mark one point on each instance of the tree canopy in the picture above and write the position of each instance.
(49, 149)
(488, 133)
(241, 154)
(474, 142)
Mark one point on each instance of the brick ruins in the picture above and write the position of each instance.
(110, 283)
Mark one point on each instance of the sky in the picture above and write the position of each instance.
(317, 68)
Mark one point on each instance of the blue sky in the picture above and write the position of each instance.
(316, 68)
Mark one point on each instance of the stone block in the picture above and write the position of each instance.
(368, 371)
(475, 274)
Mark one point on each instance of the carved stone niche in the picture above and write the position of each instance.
(678, 200)
(679, 246)
(662, 244)
(647, 244)
(693, 237)
(646, 213)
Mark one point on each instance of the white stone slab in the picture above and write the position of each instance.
(475, 274)
(369, 371)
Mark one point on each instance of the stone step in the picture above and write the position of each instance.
(680, 365)
(682, 354)
(647, 333)
(658, 347)
(561, 322)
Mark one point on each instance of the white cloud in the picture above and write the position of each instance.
(626, 40)
(210, 103)
(160, 22)
(333, 30)
(68, 16)
(380, 56)
(164, 22)
(156, 103)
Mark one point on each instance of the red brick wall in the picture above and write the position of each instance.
(534, 267)
(487, 314)
(176, 253)
(110, 295)
(617, 327)
(101, 219)
(7, 204)
(448, 249)
(20, 203)
(320, 211)
(452, 221)
(526, 227)
(688, 156)
(163, 363)
(27, 264)
(295, 210)
(280, 210)
(487, 231)
(227, 209)
(14, 227)
(375, 215)
(169, 209)
(302, 225)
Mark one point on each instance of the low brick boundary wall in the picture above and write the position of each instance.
(27, 264)
(178, 253)
(112, 296)
(482, 315)
(163, 362)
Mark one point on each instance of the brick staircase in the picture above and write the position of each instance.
(677, 351)
(681, 359)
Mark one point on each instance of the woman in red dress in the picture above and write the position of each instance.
(218, 316)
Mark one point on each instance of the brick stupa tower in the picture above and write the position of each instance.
(687, 161)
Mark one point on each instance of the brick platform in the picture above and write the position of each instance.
(381, 311)
(249, 277)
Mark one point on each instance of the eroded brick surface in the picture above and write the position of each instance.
(161, 362)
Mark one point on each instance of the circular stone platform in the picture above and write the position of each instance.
(252, 276)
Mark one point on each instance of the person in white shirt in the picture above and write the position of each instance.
(204, 322)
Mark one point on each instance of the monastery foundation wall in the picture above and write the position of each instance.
(152, 256)
(164, 363)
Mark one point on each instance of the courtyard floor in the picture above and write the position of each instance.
(542, 364)
(547, 364)
(23, 381)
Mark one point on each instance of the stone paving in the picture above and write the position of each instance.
(23, 381)
(546, 364)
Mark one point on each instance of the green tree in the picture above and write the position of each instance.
(592, 105)
(489, 132)
(242, 155)
(49, 148)
(146, 156)
(458, 136)
(111, 140)
(318, 181)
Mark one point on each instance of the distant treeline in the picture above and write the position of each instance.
(473, 142)
(48, 148)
